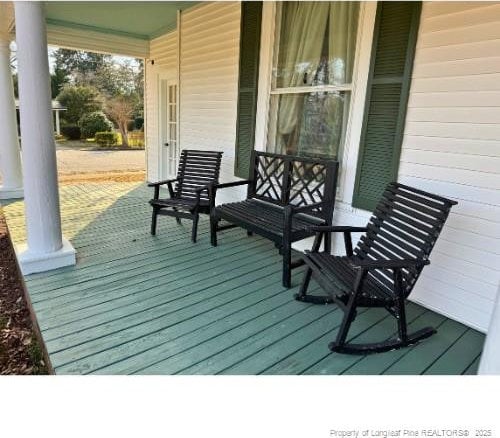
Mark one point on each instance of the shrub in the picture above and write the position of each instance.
(71, 132)
(106, 139)
(139, 123)
(94, 122)
(136, 139)
(78, 101)
(130, 125)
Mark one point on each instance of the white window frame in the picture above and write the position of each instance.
(357, 88)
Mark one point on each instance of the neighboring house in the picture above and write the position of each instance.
(395, 91)
(56, 109)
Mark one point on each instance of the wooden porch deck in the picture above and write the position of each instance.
(137, 304)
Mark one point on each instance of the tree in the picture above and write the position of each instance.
(109, 75)
(77, 61)
(120, 109)
(79, 100)
(58, 80)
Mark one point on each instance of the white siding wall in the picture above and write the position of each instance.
(452, 147)
(209, 79)
(163, 51)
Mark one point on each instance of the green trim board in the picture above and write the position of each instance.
(139, 20)
(393, 52)
(251, 17)
(138, 304)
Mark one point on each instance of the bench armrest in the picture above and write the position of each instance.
(338, 229)
(212, 189)
(388, 264)
(306, 208)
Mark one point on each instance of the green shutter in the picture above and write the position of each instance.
(251, 13)
(396, 29)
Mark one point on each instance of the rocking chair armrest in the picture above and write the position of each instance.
(160, 183)
(388, 264)
(321, 230)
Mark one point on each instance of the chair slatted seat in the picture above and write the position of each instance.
(189, 197)
(383, 268)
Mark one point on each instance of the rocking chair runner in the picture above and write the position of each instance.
(189, 198)
(383, 268)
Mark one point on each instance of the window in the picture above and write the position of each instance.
(312, 77)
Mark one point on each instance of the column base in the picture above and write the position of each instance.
(31, 263)
(6, 193)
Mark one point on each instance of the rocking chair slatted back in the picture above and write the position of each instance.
(405, 225)
(292, 180)
(197, 168)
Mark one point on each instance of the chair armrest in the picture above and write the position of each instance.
(388, 264)
(230, 184)
(198, 193)
(157, 185)
(200, 189)
(160, 183)
(347, 230)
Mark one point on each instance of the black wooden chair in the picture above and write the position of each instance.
(383, 268)
(189, 197)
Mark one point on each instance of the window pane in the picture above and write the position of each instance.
(311, 125)
(316, 44)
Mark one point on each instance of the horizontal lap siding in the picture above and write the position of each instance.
(163, 50)
(209, 79)
(452, 147)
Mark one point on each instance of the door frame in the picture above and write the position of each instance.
(165, 79)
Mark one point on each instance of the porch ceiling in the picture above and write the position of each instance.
(139, 20)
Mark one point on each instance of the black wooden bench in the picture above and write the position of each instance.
(286, 195)
(383, 268)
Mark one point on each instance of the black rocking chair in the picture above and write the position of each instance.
(189, 198)
(383, 268)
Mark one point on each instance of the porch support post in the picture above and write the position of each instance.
(46, 248)
(10, 155)
(490, 359)
(58, 123)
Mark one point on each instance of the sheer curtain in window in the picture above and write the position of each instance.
(316, 48)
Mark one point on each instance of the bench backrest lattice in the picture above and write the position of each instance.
(292, 180)
(197, 169)
(405, 225)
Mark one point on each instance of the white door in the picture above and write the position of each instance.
(169, 146)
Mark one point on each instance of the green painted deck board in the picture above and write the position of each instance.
(141, 304)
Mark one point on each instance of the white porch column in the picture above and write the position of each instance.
(490, 359)
(10, 155)
(46, 249)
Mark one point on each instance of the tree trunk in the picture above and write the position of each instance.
(123, 132)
